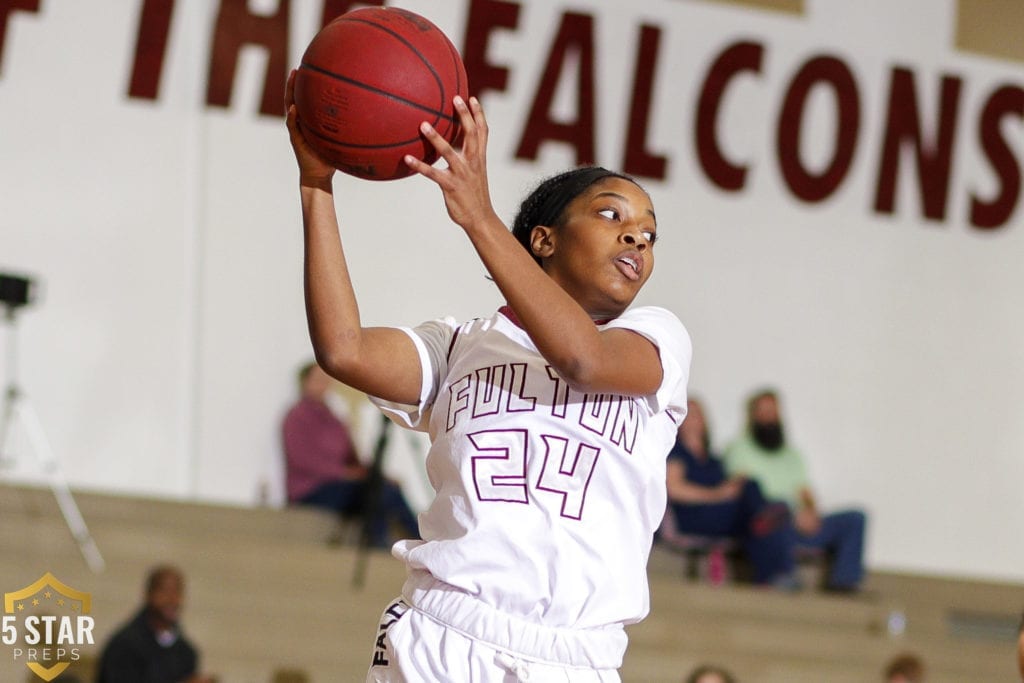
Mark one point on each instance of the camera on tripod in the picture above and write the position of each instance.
(16, 291)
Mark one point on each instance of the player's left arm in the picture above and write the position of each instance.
(616, 360)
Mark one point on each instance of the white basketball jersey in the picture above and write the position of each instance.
(547, 498)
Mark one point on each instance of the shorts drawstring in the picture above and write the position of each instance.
(515, 666)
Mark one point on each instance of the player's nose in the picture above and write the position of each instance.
(633, 238)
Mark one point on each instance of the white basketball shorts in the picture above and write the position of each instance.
(412, 647)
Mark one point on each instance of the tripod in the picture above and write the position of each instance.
(16, 409)
(371, 507)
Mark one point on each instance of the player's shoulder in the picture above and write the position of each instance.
(657, 322)
(654, 313)
(473, 328)
(449, 335)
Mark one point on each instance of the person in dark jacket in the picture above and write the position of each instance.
(151, 647)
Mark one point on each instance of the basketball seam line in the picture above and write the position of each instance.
(356, 145)
(392, 96)
(415, 50)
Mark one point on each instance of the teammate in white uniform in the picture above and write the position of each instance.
(550, 422)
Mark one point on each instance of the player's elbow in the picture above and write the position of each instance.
(579, 372)
(339, 358)
(591, 374)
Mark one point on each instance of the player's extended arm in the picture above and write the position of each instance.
(616, 360)
(380, 361)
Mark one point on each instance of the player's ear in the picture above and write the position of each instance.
(542, 242)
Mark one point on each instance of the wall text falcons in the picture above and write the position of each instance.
(998, 123)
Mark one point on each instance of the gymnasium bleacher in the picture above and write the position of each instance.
(267, 593)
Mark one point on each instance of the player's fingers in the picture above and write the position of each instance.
(424, 169)
(480, 122)
(295, 133)
(289, 90)
(290, 118)
(442, 146)
(470, 143)
(295, 128)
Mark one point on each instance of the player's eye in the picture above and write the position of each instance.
(650, 236)
(611, 214)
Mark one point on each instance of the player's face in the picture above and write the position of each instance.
(603, 253)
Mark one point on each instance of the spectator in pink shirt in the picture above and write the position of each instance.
(321, 466)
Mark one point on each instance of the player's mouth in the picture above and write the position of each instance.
(630, 264)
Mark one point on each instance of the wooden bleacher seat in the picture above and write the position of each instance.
(264, 591)
(699, 552)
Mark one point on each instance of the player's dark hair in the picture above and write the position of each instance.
(547, 203)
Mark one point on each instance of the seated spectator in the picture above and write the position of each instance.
(710, 674)
(151, 647)
(763, 454)
(321, 467)
(1020, 647)
(704, 501)
(905, 668)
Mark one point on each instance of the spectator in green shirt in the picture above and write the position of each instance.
(763, 454)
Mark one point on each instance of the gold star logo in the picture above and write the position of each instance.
(47, 586)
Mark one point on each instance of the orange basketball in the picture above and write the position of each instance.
(367, 81)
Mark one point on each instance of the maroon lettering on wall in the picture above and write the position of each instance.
(237, 27)
(6, 7)
(803, 183)
(576, 33)
(335, 8)
(934, 158)
(636, 159)
(735, 59)
(484, 17)
(1007, 100)
(150, 48)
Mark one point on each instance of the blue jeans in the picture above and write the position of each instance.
(771, 554)
(842, 537)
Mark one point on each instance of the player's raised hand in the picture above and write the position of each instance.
(312, 168)
(464, 182)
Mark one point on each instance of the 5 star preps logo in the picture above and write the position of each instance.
(46, 624)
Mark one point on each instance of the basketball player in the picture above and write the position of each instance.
(550, 421)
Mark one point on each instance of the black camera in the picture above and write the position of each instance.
(16, 291)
